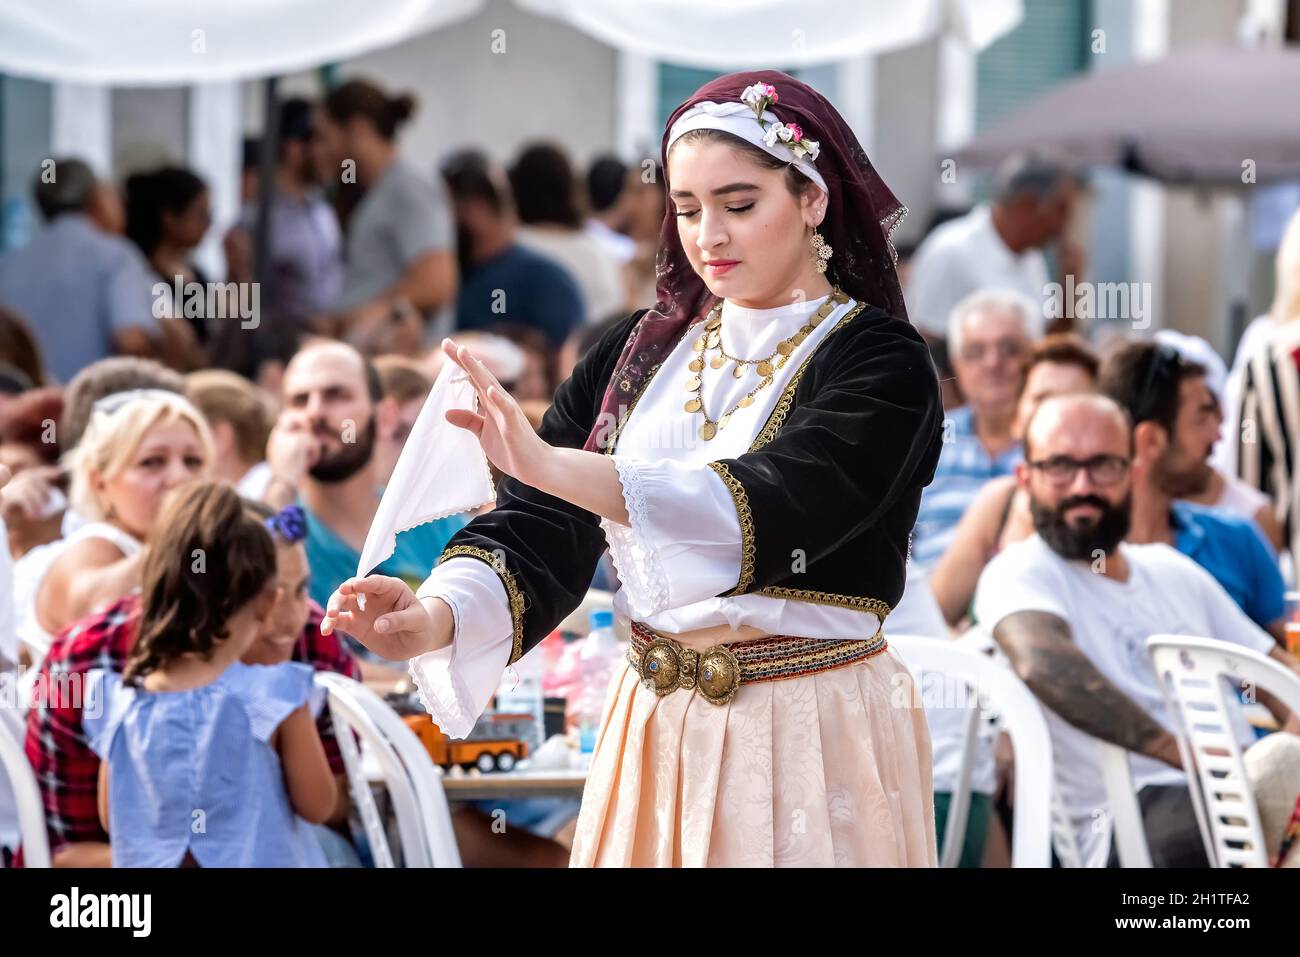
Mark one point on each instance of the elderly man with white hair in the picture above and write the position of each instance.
(990, 333)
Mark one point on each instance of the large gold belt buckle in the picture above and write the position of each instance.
(667, 665)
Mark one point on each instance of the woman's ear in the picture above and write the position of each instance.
(813, 202)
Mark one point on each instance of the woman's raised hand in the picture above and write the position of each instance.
(504, 432)
(394, 623)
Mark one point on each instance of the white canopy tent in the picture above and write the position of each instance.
(174, 42)
(177, 42)
(735, 34)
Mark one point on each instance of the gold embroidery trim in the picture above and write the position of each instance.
(618, 429)
(516, 596)
(782, 409)
(773, 425)
(874, 605)
(741, 499)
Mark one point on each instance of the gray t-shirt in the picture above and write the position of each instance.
(75, 286)
(401, 218)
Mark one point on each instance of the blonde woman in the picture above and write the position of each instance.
(137, 447)
(1265, 426)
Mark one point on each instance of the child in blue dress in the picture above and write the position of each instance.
(207, 761)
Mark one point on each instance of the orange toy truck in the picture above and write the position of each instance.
(493, 745)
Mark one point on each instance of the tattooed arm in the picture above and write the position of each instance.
(1045, 657)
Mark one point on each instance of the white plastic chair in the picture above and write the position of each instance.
(17, 775)
(1021, 718)
(1189, 671)
(413, 781)
(1123, 822)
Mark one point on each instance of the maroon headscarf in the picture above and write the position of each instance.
(861, 214)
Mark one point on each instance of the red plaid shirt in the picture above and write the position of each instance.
(67, 770)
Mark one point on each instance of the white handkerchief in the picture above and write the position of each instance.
(442, 470)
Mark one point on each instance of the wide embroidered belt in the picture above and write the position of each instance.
(717, 672)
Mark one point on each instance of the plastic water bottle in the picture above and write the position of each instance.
(601, 652)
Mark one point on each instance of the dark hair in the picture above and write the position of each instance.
(24, 422)
(250, 154)
(68, 191)
(1145, 379)
(542, 182)
(295, 120)
(365, 99)
(1063, 348)
(403, 379)
(149, 195)
(208, 557)
(18, 347)
(530, 339)
(105, 377)
(606, 177)
(287, 525)
(468, 176)
(795, 181)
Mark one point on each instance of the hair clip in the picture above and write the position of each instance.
(115, 400)
(290, 523)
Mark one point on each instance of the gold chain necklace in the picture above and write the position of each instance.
(766, 366)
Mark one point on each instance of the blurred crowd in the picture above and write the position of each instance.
(149, 413)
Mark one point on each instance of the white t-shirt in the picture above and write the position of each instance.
(960, 257)
(1110, 621)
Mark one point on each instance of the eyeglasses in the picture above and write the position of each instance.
(1102, 469)
(1005, 348)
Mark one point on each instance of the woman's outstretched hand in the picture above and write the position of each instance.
(504, 432)
(394, 623)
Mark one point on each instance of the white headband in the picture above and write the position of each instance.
(739, 119)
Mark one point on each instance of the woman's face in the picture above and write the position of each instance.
(283, 626)
(186, 228)
(743, 231)
(328, 146)
(168, 455)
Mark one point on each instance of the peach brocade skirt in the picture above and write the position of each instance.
(831, 769)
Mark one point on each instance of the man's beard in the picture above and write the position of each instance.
(349, 460)
(1181, 482)
(1092, 537)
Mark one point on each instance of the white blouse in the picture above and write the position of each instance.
(683, 544)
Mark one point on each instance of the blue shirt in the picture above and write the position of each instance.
(333, 561)
(195, 771)
(964, 468)
(524, 287)
(1232, 549)
(75, 286)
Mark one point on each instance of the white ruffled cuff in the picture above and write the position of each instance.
(683, 541)
(456, 683)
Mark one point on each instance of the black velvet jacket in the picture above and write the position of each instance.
(826, 496)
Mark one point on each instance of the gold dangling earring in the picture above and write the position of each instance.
(821, 250)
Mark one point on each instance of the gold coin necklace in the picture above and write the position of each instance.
(766, 367)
